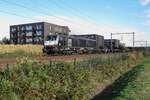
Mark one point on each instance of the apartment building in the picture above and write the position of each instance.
(35, 33)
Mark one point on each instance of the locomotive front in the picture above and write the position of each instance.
(51, 44)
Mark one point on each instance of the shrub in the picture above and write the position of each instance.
(31, 80)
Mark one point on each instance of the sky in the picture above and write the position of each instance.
(82, 16)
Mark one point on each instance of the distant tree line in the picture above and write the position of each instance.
(5, 40)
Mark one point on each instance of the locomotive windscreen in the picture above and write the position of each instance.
(51, 38)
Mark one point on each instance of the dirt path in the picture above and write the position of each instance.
(5, 61)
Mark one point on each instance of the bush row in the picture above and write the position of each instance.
(29, 79)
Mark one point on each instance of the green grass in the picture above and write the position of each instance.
(139, 87)
(28, 79)
(18, 53)
(132, 85)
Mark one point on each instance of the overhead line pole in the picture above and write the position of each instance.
(146, 43)
(133, 33)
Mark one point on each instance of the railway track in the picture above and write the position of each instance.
(44, 59)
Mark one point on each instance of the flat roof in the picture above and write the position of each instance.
(27, 23)
(39, 23)
(110, 39)
(71, 36)
(89, 35)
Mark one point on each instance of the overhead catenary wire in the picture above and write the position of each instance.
(90, 19)
(67, 11)
(32, 9)
(45, 13)
(38, 11)
(18, 15)
(68, 8)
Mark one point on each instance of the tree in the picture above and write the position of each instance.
(5, 40)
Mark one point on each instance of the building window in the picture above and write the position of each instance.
(38, 26)
(64, 31)
(29, 27)
(22, 41)
(18, 28)
(39, 33)
(18, 39)
(18, 34)
(58, 30)
(22, 34)
(13, 29)
(29, 40)
(11, 35)
(38, 40)
(29, 34)
(50, 28)
(22, 28)
(11, 41)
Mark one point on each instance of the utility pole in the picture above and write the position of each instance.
(133, 39)
(146, 43)
(111, 44)
(132, 33)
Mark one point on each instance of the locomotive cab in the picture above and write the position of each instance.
(51, 40)
(54, 44)
(50, 44)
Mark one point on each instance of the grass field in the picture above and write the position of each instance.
(29, 79)
(20, 50)
(133, 85)
(75, 80)
(138, 87)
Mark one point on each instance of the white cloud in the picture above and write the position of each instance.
(144, 2)
(147, 13)
(5, 23)
(77, 26)
(81, 26)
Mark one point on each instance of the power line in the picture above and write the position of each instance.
(32, 9)
(127, 33)
(14, 14)
(87, 17)
(17, 15)
(58, 5)
(74, 12)
(40, 11)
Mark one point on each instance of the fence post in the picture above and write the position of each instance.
(74, 61)
(50, 63)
